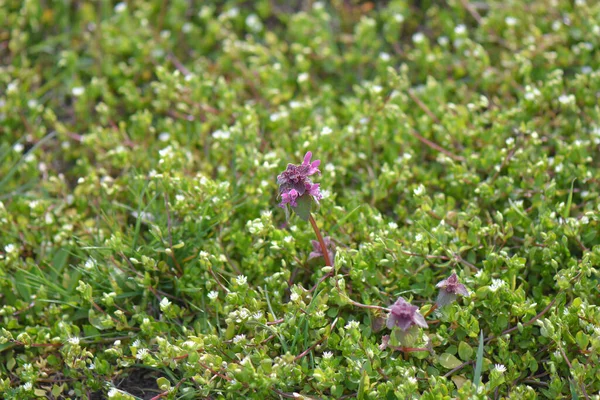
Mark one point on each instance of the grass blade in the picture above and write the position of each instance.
(479, 361)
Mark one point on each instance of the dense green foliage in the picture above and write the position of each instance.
(142, 252)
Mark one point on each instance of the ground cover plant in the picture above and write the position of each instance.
(155, 244)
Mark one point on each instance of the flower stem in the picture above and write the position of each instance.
(321, 241)
(432, 309)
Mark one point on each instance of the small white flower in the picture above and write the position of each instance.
(418, 237)
(460, 29)
(352, 324)
(385, 57)
(141, 353)
(90, 263)
(393, 225)
(136, 343)
(294, 296)
(253, 23)
(419, 190)
(326, 131)
(497, 284)
(10, 248)
(120, 7)
(418, 37)
(443, 41)
(213, 295)
(241, 280)
(412, 380)
(510, 21)
(327, 355)
(303, 77)
(239, 338)
(78, 91)
(27, 386)
(566, 99)
(500, 368)
(18, 147)
(221, 134)
(164, 303)
(74, 340)
(399, 18)
(164, 136)
(113, 392)
(92, 366)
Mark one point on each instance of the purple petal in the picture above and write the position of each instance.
(307, 158)
(441, 284)
(445, 298)
(404, 323)
(462, 290)
(419, 320)
(391, 321)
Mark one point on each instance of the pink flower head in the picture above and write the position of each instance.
(294, 182)
(449, 288)
(404, 315)
(318, 252)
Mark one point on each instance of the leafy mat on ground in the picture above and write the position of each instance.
(142, 250)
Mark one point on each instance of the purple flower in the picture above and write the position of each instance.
(449, 288)
(294, 182)
(404, 315)
(318, 252)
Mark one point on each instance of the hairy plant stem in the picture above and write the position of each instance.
(321, 241)
(432, 309)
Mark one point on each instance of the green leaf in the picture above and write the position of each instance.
(304, 206)
(479, 362)
(465, 351)
(567, 209)
(449, 361)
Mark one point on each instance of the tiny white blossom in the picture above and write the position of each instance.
(241, 280)
(221, 134)
(352, 324)
(164, 136)
(418, 37)
(78, 91)
(213, 295)
(327, 355)
(239, 338)
(141, 353)
(419, 190)
(500, 368)
(326, 131)
(74, 340)
(412, 380)
(510, 21)
(10, 248)
(497, 284)
(460, 29)
(164, 303)
(113, 392)
(120, 7)
(303, 77)
(294, 296)
(18, 147)
(385, 57)
(27, 386)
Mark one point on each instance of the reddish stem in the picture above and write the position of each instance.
(321, 241)
(432, 309)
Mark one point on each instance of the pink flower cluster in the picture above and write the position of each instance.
(294, 182)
